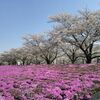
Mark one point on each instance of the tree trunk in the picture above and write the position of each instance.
(48, 62)
(73, 61)
(88, 59)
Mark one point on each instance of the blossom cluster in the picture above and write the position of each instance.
(49, 82)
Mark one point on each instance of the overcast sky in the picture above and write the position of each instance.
(20, 17)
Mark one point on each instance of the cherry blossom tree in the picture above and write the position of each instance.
(82, 31)
(46, 48)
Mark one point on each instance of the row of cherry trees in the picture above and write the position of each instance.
(73, 39)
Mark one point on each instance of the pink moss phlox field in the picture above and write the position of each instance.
(49, 82)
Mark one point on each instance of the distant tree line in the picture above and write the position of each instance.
(74, 39)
